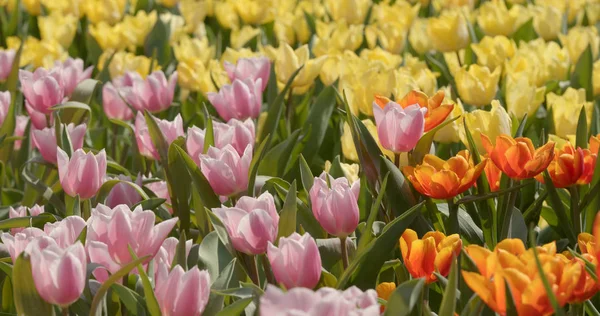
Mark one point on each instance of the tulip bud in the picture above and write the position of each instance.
(226, 170)
(170, 131)
(4, 105)
(42, 89)
(38, 119)
(399, 129)
(296, 262)
(154, 94)
(236, 133)
(45, 140)
(183, 293)
(123, 193)
(478, 85)
(335, 206)
(492, 123)
(72, 73)
(449, 31)
(17, 243)
(23, 211)
(250, 68)
(70, 171)
(20, 126)
(113, 104)
(240, 100)
(251, 224)
(7, 58)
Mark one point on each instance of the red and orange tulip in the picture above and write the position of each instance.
(442, 179)
(493, 175)
(434, 252)
(436, 111)
(570, 166)
(517, 157)
(594, 144)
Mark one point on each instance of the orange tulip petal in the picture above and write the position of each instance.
(444, 184)
(483, 287)
(414, 97)
(381, 101)
(436, 116)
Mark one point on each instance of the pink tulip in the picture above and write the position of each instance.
(72, 73)
(38, 119)
(237, 133)
(251, 224)
(250, 68)
(66, 231)
(225, 170)
(45, 140)
(323, 302)
(7, 58)
(23, 211)
(399, 129)
(59, 274)
(161, 191)
(17, 243)
(123, 193)
(83, 174)
(111, 231)
(240, 100)
(335, 206)
(113, 104)
(184, 293)
(296, 262)
(165, 256)
(170, 130)
(20, 127)
(154, 94)
(4, 105)
(42, 89)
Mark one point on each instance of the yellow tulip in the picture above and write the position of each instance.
(123, 62)
(496, 19)
(492, 52)
(361, 80)
(255, 11)
(353, 11)
(389, 36)
(314, 8)
(232, 55)
(450, 133)
(32, 7)
(577, 40)
(522, 96)
(425, 78)
(226, 14)
(337, 37)
(545, 19)
(285, 26)
(592, 11)
(377, 54)
(390, 25)
(478, 85)
(348, 148)
(561, 142)
(449, 31)
(194, 12)
(58, 27)
(404, 82)
(350, 170)
(452, 60)
(136, 28)
(65, 7)
(188, 49)
(109, 11)
(491, 123)
(418, 38)
(596, 78)
(240, 37)
(566, 108)
(38, 53)
(451, 4)
(288, 60)
(109, 37)
(195, 76)
(541, 61)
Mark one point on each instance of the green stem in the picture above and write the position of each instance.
(344, 252)
(453, 217)
(253, 270)
(290, 111)
(86, 208)
(506, 212)
(268, 271)
(575, 211)
(65, 311)
(397, 159)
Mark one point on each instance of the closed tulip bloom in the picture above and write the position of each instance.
(82, 174)
(570, 166)
(448, 32)
(113, 104)
(441, 179)
(495, 18)
(436, 111)
(594, 144)
(296, 261)
(42, 89)
(493, 51)
(250, 68)
(72, 73)
(432, 253)
(65, 232)
(491, 123)
(399, 129)
(20, 127)
(161, 190)
(184, 293)
(288, 60)
(522, 96)
(6, 61)
(566, 109)
(45, 140)
(335, 204)
(237, 133)
(4, 105)
(38, 119)
(477, 85)
(240, 100)
(60, 274)
(16, 244)
(154, 94)
(165, 256)
(112, 231)
(23, 211)
(544, 21)
(251, 224)
(123, 193)
(577, 40)
(517, 157)
(170, 131)
(226, 170)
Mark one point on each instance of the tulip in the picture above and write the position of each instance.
(251, 224)
(45, 140)
(517, 157)
(42, 89)
(287, 61)
(16, 244)
(418, 37)
(124, 193)
(183, 293)
(240, 100)
(570, 166)
(165, 256)
(58, 27)
(353, 11)
(594, 144)
(338, 36)
(495, 18)
(170, 131)
(38, 119)
(449, 31)
(4, 105)
(123, 62)
(436, 111)
(296, 262)
(493, 51)
(385, 290)
(350, 170)
(60, 274)
(522, 96)
(20, 127)
(161, 191)
(226, 170)
(578, 39)
(22, 211)
(65, 232)
(450, 133)
(566, 109)
(544, 21)
(7, 58)
(434, 252)
(493, 174)
(113, 105)
(250, 68)
(70, 172)
(112, 231)
(335, 205)
(477, 85)
(491, 123)
(399, 129)
(237, 133)
(154, 94)
(441, 179)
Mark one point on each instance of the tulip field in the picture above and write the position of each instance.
(300, 157)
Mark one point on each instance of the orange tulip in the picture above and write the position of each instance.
(570, 166)
(493, 291)
(434, 252)
(594, 144)
(441, 179)
(436, 111)
(517, 157)
(586, 243)
(384, 291)
(493, 175)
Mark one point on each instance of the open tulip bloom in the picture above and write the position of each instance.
(299, 157)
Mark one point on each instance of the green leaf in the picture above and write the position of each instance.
(306, 175)
(179, 181)
(73, 111)
(157, 43)
(525, 33)
(27, 221)
(259, 153)
(517, 227)
(221, 230)
(180, 253)
(275, 160)
(131, 299)
(397, 184)
(318, 120)
(287, 219)
(158, 138)
(215, 301)
(449, 299)
(27, 299)
(236, 308)
(149, 297)
(581, 136)
(211, 255)
(367, 236)
(559, 208)
(405, 298)
(582, 76)
(209, 135)
(208, 196)
(424, 145)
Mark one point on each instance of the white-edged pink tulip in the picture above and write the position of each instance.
(38, 119)
(250, 68)
(42, 89)
(71, 73)
(20, 127)
(154, 93)
(335, 204)
(23, 211)
(240, 100)
(65, 232)
(7, 58)
(123, 193)
(399, 129)
(225, 170)
(236, 133)
(16, 244)
(183, 293)
(296, 261)
(113, 104)
(83, 174)
(4, 105)
(45, 140)
(170, 130)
